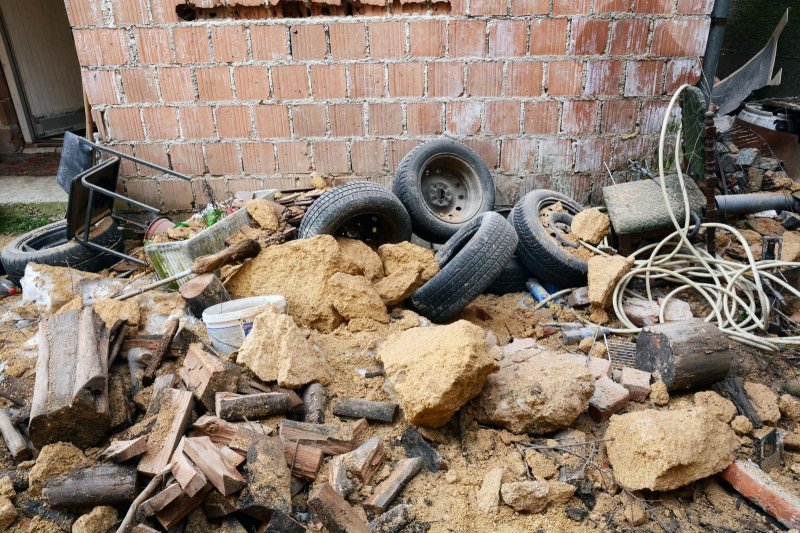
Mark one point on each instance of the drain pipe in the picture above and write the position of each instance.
(719, 17)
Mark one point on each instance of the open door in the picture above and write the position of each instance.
(41, 66)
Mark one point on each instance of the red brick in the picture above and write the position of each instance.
(222, 159)
(309, 120)
(197, 122)
(177, 195)
(502, 117)
(387, 39)
(176, 84)
(548, 37)
(245, 184)
(609, 397)
(161, 123)
(488, 7)
(101, 47)
(757, 486)
(328, 81)
(589, 36)
(191, 44)
(217, 187)
(484, 79)
(289, 82)
(579, 117)
(680, 71)
(84, 13)
(518, 155)
(629, 36)
(164, 11)
(445, 79)
(397, 151)
(214, 83)
(653, 116)
(308, 42)
(541, 117)
(427, 38)
(612, 6)
(294, 157)
(252, 83)
(233, 122)
(464, 117)
(188, 159)
(153, 46)
(643, 78)
(366, 80)
(100, 86)
(385, 119)
(142, 190)
(564, 78)
(507, 38)
(424, 118)
(467, 38)
(619, 116)
(272, 121)
(268, 43)
(348, 41)
(624, 149)
(258, 158)
(652, 6)
(488, 149)
(347, 120)
(524, 78)
(129, 12)
(229, 43)
(590, 156)
(556, 155)
(695, 7)
(154, 153)
(406, 79)
(367, 157)
(140, 85)
(331, 158)
(603, 78)
(124, 124)
(530, 7)
(570, 7)
(680, 37)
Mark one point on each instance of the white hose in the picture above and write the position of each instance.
(734, 291)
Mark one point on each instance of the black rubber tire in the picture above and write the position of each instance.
(407, 186)
(538, 249)
(348, 203)
(15, 256)
(467, 270)
(512, 279)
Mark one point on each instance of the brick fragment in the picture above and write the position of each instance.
(757, 486)
(680, 37)
(609, 398)
(100, 86)
(637, 382)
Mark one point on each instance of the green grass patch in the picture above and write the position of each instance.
(16, 219)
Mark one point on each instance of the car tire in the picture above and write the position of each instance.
(512, 279)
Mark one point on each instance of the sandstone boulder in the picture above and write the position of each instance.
(354, 297)
(604, 274)
(99, 520)
(534, 496)
(368, 262)
(590, 225)
(790, 407)
(720, 407)
(764, 401)
(54, 460)
(664, 450)
(263, 213)
(401, 284)
(395, 256)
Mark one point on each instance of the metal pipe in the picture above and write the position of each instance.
(719, 17)
(743, 204)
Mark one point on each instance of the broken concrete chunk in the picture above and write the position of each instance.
(353, 297)
(489, 494)
(401, 284)
(590, 225)
(664, 450)
(8, 514)
(742, 425)
(540, 465)
(764, 401)
(637, 382)
(435, 370)
(527, 496)
(263, 213)
(659, 393)
(790, 407)
(604, 274)
(396, 256)
(367, 261)
(722, 408)
(100, 520)
(538, 395)
(609, 398)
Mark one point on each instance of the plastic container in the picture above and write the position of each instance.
(170, 258)
(7, 288)
(229, 323)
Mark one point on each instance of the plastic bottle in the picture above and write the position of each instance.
(7, 288)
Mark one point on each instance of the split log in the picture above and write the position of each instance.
(234, 458)
(334, 512)
(70, 396)
(119, 398)
(686, 354)
(365, 461)
(395, 519)
(160, 500)
(303, 461)
(337, 477)
(158, 353)
(356, 408)
(202, 292)
(179, 509)
(268, 480)
(332, 440)
(314, 400)
(230, 406)
(186, 473)
(254, 387)
(122, 450)
(91, 486)
(416, 446)
(162, 383)
(281, 522)
(210, 461)
(15, 441)
(170, 425)
(227, 433)
(385, 493)
(206, 374)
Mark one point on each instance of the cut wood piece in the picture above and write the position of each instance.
(337, 477)
(179, 509)
(303, 461)
(186, 474)
(15, 441)
(334, 512)
(356, 408)
(268, 480)
(70, 396)
(281, 522)
(171, 421)
(224, 432)
(314, 401)
(206, 374)
(686, 354)
(365, 461)
(92, 486)
(395, 519)
(210, 461)
(162, 383)
(385, 493)
(233, 458)
(202, 292)
(231, 407)
(331, 439)
(157, 354)
(122, 450)
(160, 500)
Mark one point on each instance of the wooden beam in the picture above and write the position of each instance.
(15, 441)
(91, 486)
(205, 374)
(357, 408)
(230, 406)
(331, 439)
(171, 421)
(385, 493)
(213, 464)
(334, 512)
(122, 450)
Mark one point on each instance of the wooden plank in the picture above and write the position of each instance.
(233, 458)
(171, 422)
(179, 509)
(122, 450)
(205, 374)
(233, 407)
(331, 439)
(357, 408)
(186, 474)
(213, 464)
(91, 486)
(160, 500)
(15, 441)
(334, 512)
(385, 493)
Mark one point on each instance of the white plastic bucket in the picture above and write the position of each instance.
(229, 323)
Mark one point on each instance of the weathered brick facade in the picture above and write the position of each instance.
(546, 91)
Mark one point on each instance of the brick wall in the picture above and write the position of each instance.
(547, 92)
